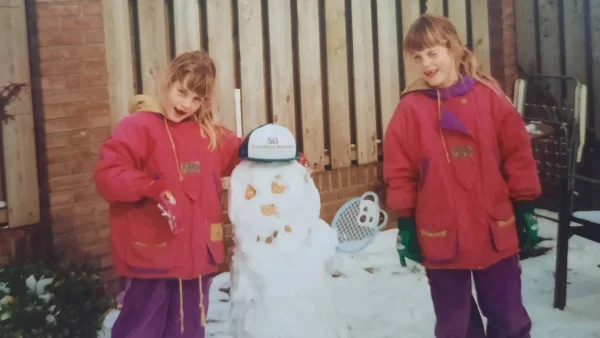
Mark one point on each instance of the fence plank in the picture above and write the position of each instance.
(389, 79)
(481, 33)
(219, 15)
(186, 15)
(254, 110)
(283, 99)
(22, 186)
(411, 10)
(595, 43)
(550, 44)
(457, 13)
(311, 90)
(575, 58)
(364, 82)
(117, 35)
(436, 7)
(337, 83)
(154, 50)
(525, 31)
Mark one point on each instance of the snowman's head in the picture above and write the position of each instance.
(269, 143)
(263, 192)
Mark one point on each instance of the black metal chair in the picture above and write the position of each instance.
(572, 218)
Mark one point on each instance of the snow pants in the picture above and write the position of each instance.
(498, 291)
(163, 308)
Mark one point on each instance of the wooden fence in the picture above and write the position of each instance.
(329, 70)
(18, 176)
(561, 38)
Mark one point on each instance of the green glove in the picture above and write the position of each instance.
(527, 225)
(408, 243)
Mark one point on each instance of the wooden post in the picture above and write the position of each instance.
(118, 57)
(337, 83)
(22, 187)
(364, 82)
(252, 68)
(219, 14)
(186, 15)
(282, 71)
(311, 89)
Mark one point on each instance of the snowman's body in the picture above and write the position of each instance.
(281, 287)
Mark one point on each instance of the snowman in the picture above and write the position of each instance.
(280, 281)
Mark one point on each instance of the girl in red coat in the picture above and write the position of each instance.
(161, 174)
(462, 178)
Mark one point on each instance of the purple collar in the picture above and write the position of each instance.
(460, 88)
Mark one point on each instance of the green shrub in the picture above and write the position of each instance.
(53, 298)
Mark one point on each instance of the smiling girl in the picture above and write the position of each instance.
(174, 159)
(462, 179)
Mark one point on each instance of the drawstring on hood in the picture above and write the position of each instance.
(446, 119)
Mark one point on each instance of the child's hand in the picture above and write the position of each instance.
(302, 160)
(166, 203)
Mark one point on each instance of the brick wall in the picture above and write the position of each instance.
(69, 79)
(69, 82)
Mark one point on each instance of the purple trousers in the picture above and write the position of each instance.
(152, 308)
(498, 291)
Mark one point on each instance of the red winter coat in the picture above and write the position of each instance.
(457, 162)
(140, 151)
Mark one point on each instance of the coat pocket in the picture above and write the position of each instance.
(216, 252)
(146, 258)
(438, 245)
(503, 228)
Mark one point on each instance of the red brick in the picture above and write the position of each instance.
(48, 24)
(50, 53)
(59, 169)
(86, 80)
(88, 51)
(56, 140)
(96, 66)
(92, 8)
(54, 82)
(66, 97)
(61, 67)
(61, 198)
(79, 109)
(54, 10)
(77, 123)
(98, 94)
(94, 36)
(61, 38)
(74, 210)
(82, 153)
(81, 23)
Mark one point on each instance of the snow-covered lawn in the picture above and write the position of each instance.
(377, 298)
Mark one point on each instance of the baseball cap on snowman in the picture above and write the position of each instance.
(269, 143)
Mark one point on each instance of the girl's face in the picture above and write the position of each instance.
(437, 66)
(181, 102)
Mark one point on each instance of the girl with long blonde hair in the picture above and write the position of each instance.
(161, 173)
(462, 179)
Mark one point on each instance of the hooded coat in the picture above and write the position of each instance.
(456, 159)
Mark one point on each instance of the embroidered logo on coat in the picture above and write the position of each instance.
(190, 167)
(462, 151)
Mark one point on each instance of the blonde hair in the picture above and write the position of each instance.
(434, 30)
(197, 71)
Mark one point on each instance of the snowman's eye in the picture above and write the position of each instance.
(277, 188)
(250, 192)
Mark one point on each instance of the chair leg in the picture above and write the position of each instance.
(562, 252)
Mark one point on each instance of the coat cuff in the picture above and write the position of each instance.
(524, 206)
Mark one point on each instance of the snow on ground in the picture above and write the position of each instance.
(378, 298)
